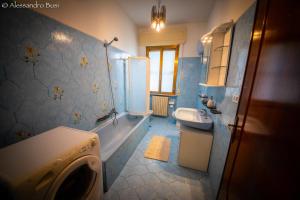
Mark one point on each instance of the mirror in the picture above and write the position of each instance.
(216, 54)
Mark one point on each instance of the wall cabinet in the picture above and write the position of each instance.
(216, 54)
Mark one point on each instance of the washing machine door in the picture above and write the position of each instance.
(78, 181)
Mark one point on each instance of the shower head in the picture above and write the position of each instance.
(106, 44)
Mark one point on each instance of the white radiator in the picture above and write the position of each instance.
(160, 105)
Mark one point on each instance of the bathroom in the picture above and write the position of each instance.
(156, 99)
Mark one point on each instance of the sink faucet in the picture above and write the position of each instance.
(203, 112)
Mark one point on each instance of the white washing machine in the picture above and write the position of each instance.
(62, 163)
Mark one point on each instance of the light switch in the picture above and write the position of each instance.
(235, 98)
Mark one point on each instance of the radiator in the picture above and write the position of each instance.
(160, 105)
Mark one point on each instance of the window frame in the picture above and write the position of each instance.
(161, 50)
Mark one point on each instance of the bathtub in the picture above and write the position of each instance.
(118, 143)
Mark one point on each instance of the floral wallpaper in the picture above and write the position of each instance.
(52, 75)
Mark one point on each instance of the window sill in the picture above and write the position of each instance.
(208, 85)
(165, 95)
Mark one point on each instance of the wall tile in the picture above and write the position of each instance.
(43, 82)
(188, 78)
(223, 97)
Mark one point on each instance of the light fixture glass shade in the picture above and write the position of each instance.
(157, 28)
(162, 24)
(162, 13)
(153, 24)
(153, 13)
(158, 17)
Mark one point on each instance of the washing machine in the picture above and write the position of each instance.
(62, 163)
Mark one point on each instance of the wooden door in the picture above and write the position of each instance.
(263, 157)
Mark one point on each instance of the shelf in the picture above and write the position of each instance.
(220, 47)
(208, 85)
(212, 110)
(217, 66)
(165, 95)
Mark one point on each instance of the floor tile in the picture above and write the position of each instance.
(140, 169)
(155, 168)
(144, 179)
(146, 192)
(151, 179)
(133, 162)
(120, 184)
(164, 191)
(127, 171)
(128, 194)
(182, 190)
(166, 177)
(135, 181)
(111, 195)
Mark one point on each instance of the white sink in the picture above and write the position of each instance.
(193, 118)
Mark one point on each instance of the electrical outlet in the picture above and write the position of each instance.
(235, 98)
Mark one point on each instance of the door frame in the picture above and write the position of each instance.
(256, 42)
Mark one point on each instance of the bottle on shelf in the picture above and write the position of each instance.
(211, 103)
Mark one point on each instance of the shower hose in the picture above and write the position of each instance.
(113, 113)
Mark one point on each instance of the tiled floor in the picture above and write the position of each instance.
(146, 179)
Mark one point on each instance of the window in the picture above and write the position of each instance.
(163, 68)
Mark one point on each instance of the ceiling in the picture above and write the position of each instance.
(178, 11)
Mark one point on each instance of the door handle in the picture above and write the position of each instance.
(234, 126)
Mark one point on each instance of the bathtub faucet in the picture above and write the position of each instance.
(113, 113)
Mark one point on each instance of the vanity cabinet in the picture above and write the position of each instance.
(194, 148)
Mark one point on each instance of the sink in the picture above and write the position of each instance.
(193, 118)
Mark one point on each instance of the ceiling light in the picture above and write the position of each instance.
(162, 24)
(153, 25)
(157, 28)
(158, 16)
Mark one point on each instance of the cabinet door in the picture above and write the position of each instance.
(194, 150)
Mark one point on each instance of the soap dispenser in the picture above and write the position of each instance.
(211, 103)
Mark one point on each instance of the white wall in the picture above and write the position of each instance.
(103, 19)
(194, 31)
(225, 10)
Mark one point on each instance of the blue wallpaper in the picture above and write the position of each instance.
(52, 75)
(223, 97)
